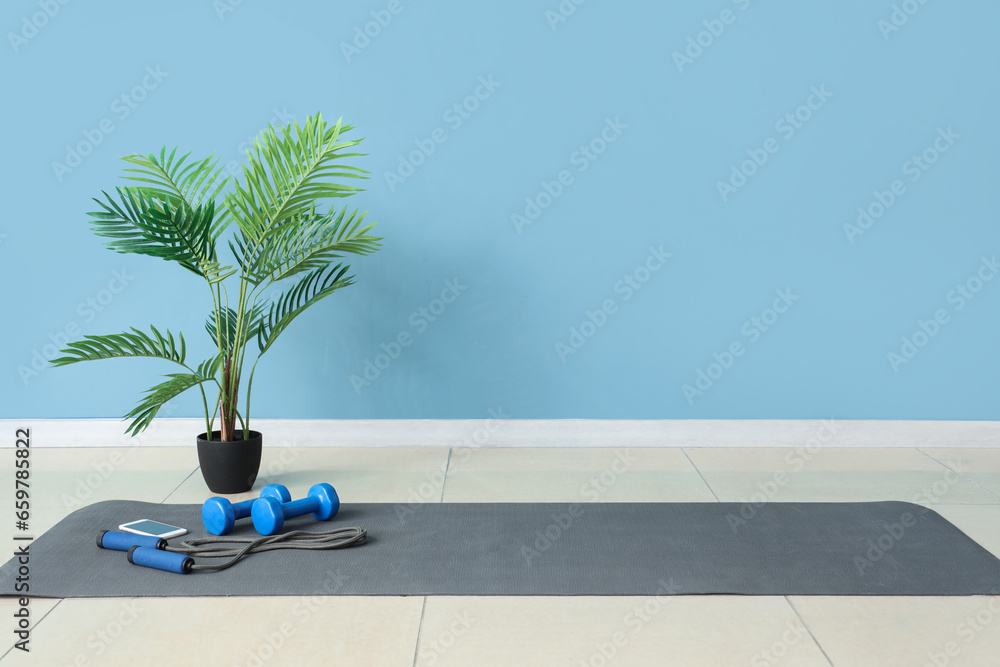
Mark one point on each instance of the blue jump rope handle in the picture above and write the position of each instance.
(119, 541)
(161, 560)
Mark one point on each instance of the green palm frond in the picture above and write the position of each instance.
(314, 286)
(176, 384)
(123, 345)
(247, 256)
(311, 243)
(288, 173)
(229, 319)
(138, 223)
(179, 182)
(175, 208)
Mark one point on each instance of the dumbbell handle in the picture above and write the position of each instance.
(299, 507)
(161, 560)
(242, 509)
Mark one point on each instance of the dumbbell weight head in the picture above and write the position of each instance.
(220, 515)
(269, 515)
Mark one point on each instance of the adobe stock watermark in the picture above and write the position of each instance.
(121, 108)
(268, 645)
(752, 330)
(104, 638)
(88, 484)
(627, 286)
(641, 615)
(454, 116)
(223, 7)
(714, 27)
(794, 633)
(894, 533)
(935, 493)
(899, 17)
(927, 330)
(562, 12)
(597, 486)
(303, 610)
(275, 467)
(419, 321)
(87, 310)
(478, 438)
(433, 648)
(546, 537)
(796, 460)
(101, 471)
(430, 490)
(787, 125)
(33, 23)
(364, 34)
(333, 583)
(581, 158)
(967, 630)
(593, 490)
(279, 118)
(914, 168)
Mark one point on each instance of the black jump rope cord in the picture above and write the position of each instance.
(338, 538)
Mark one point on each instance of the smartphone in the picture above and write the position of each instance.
(154, 528)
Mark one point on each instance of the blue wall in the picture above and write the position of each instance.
(627, 136)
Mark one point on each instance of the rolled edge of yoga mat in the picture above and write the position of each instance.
(161, 560)
(119, 541)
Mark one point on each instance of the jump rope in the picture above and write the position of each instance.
(219, 515)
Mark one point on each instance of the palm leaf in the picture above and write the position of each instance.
(288, 173)
(229, 318)
(311, 243)
(123, 345)
(176, 384)
(174, 180)
(138, 223)
(314, 286)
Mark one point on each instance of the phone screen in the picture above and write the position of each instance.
(152, 527)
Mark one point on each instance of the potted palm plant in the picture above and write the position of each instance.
(284, 250)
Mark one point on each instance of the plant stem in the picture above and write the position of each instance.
(230, 387)
(252, 297)
(249, 387)
(208, 424)
(214, 410)
(239, 345)
(216, 299)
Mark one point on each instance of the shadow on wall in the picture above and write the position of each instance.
(421, 345)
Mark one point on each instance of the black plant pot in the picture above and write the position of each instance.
(229, 467)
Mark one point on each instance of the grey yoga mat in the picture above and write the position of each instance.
(882, 548)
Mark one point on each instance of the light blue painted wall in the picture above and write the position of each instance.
(224, 75)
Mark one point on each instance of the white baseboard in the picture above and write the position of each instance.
(524, 433)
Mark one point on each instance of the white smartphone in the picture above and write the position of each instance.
(154, 528)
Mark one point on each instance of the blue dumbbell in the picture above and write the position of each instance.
(219, 515)
(269, 515)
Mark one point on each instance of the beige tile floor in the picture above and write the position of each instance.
(712, 631)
